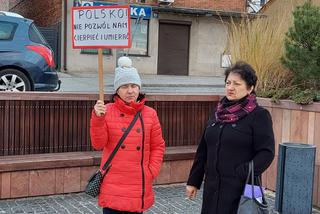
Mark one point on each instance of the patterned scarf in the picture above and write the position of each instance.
(231, 111)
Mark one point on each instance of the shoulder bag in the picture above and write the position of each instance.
(94, 182)
(249, 204)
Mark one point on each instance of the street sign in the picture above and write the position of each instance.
(136, 11)
(101, 27)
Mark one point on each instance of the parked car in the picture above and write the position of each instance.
(26, 59)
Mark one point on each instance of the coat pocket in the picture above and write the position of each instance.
(242, 129)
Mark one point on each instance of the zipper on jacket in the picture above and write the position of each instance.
(142, 158)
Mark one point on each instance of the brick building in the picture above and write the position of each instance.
(178, 38)
(4, 5)
(44, 13)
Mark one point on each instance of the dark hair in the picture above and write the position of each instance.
(246, 72)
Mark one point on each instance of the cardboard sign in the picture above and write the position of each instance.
(101, 27)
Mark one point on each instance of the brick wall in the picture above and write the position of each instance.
(44, 13)
(225, 5)
(142, 2)
(4, 5)
(230, 5)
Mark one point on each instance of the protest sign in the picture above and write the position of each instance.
(101, 27)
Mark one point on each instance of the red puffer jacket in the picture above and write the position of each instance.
(128, 184)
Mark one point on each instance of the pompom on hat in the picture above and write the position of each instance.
(125, 73)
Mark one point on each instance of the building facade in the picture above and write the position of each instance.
(174, 37)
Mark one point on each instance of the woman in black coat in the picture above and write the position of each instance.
(239, 132)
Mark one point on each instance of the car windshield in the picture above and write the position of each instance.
(36, 36)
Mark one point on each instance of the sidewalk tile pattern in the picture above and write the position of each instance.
(170, 199)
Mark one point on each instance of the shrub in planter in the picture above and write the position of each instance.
(302, 53)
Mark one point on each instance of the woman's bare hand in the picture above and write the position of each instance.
(191, 191)
(99, 108)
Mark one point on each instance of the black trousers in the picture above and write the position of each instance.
(111, 211)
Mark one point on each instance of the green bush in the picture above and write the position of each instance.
(302, 49)
(304, 97)
(298, 95)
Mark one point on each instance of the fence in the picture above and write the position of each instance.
(33, 123)
(294, 123)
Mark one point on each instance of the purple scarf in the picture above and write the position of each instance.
(231, 111)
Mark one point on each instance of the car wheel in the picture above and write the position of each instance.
(14, 80)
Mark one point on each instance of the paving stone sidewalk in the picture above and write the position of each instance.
(170, 199)
(82, 82)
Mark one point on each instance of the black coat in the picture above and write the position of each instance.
(223, 156)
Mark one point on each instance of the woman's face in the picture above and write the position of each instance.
(236, 88)
(129, 92)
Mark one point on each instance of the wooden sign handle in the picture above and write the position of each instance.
(100, 70)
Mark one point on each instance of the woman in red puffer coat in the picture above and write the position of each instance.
(127, 187)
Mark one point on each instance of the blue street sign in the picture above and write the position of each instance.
(135, 10)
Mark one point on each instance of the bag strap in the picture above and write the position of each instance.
(252, 180)
(251, 171)
(262, 193)
(107, 164)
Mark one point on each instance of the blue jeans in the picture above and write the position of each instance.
(111, 211)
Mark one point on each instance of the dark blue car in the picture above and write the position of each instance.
(26, 60)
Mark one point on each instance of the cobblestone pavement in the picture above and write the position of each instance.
(169, 200)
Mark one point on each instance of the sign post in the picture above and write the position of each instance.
(100, 72)
(98, 27)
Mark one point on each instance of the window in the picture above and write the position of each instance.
(95, 51)
(225, 60)
(139, 36)
(7, 30)
(36, 36)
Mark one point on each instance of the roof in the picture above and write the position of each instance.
(6, 13)
(16, 19)
(200, 12)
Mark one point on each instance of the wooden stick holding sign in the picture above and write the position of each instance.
(97, 27)
(100, 71)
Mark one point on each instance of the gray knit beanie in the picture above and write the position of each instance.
(125, 73)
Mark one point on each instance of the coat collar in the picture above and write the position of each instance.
(131, 108)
